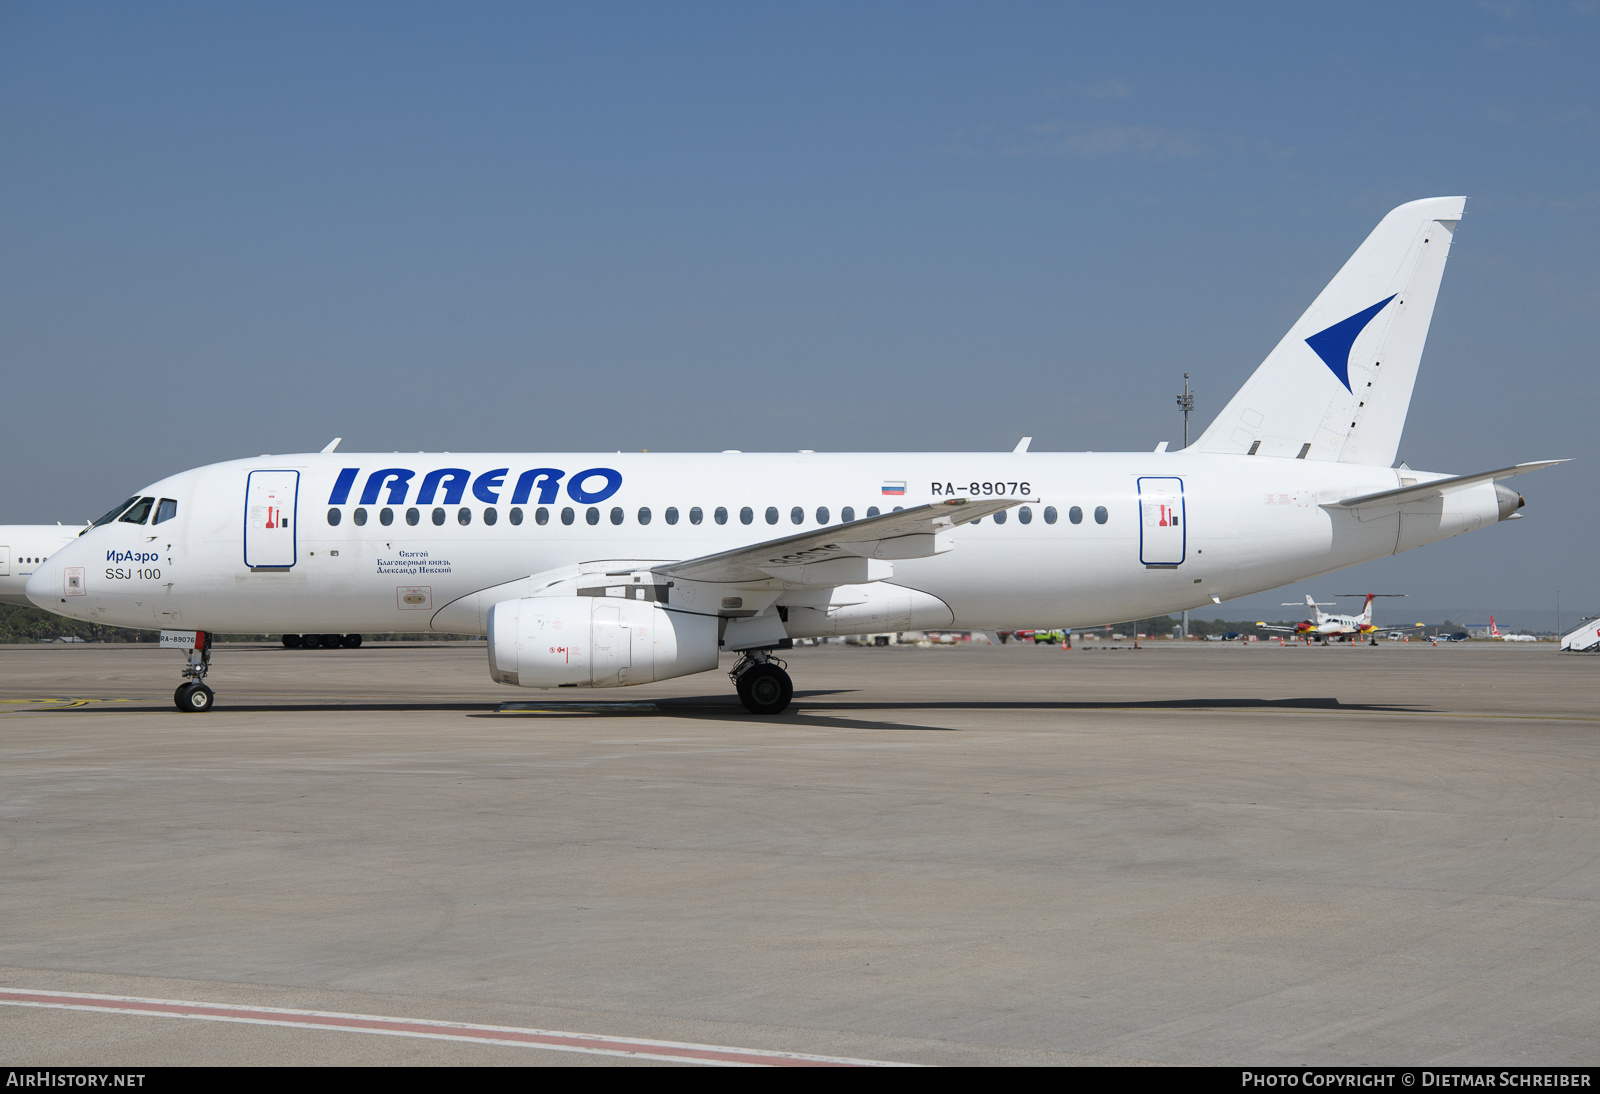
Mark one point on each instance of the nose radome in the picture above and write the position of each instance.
(47, 587)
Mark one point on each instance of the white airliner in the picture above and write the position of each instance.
(1494, 632)
(607, 570)
(23, 548)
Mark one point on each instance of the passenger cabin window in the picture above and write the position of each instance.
(490, 516)
(360, 517)
(568, 516)
(386, 517)
(169, 509)
(1024, 515)
(1000, 517)
(592, 515)
(720, 515)
(413, 517)
(1075, 515)
(463, 516)
(114, 514)
(334, 517)
(847, 514)
(1049, 514)
(616, 515)
(872, 510)
(138, 511)
(644, 514)
(747, 514)
(822, 515)
(1100, 514)
(672, 515)
(695, 515)
(797, 515)
(516, 514)
(438, 516)
(772, 514)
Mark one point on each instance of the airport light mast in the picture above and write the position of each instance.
(1186, 404)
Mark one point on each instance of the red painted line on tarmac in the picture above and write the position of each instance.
(638, 1048)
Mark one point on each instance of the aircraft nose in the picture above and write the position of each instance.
(47, 587)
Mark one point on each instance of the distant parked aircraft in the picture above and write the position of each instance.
(1494, 632)
(1341, 628)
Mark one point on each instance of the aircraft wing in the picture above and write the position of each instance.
(1270, 627)
(1424, 490)
(843, 549)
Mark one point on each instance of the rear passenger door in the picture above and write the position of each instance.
(1163, 521)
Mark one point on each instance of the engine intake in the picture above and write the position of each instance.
(595, 642)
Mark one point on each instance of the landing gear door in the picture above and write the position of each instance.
(270, 519)
(1163, 522)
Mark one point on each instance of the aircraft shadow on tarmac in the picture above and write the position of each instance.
(727, 708)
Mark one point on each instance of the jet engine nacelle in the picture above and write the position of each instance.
(595, 642)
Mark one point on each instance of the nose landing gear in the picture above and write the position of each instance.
(192, 695)
(763, 685)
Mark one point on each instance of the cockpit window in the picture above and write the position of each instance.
(166, 510)
(114, 514)
(137, 512)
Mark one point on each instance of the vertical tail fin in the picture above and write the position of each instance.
(1338, 386)
(1366, 612)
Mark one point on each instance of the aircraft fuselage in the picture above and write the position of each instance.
(386, 542)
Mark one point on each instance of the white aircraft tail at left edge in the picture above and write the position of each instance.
(609, 570)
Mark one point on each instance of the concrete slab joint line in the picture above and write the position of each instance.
(554, 1040)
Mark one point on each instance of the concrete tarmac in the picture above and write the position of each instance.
(1197, 854)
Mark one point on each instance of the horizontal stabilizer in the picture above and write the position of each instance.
(1423, 490)
(907, 534)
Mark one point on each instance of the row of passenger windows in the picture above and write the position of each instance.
(618, 515)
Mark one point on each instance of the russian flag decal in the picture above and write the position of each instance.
(896, 489)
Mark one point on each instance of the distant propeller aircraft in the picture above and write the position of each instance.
(1323, 625)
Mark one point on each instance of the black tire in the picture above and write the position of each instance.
(765, 689)
(291, 641)
(352, 641)
(309, 641)
(331, 641)
(194, 698)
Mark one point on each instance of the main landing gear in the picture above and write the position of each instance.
(763, 685)
(321, 641)
(192, 696)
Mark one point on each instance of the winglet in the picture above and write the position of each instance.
(333, 444)
(1022, 445)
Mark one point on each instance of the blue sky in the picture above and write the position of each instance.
(233, 230)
